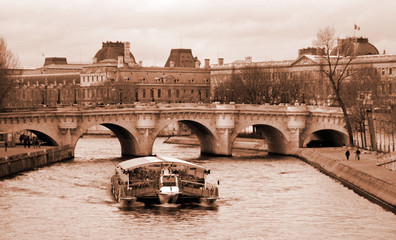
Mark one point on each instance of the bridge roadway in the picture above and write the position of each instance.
(285, 128)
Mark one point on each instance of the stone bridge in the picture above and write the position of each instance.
(285, 128)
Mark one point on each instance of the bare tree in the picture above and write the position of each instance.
(7, 61)
(360, 93)
(335, 69)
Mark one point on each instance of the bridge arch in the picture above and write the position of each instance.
(45, 138)
(326, 138)
(276, 137)
(43, 133)
(128, 141)
(206, 138)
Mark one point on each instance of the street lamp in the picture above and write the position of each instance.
(45, 96)
(113, 97)
(75, 96)
(59, 96)
(232, 95)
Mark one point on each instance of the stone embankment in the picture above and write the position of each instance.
(18, 159)
(376, 183)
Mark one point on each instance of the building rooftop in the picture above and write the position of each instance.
(111, 50)
(354, 46)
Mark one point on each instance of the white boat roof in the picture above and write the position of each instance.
(143, 161)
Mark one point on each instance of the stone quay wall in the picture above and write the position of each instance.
(28, 161)
(374, 189)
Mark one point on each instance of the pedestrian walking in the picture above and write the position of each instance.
(347, 154)
(21, 138)
(357, 156)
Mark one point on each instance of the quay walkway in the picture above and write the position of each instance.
(366, 164)
(19, 149)
(376, 183)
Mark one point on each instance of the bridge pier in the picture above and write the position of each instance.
(225, 124)
(222, 146)
(144, 144)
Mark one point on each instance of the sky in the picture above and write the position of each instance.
(266, 30)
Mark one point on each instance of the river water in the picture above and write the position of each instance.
(262, 197)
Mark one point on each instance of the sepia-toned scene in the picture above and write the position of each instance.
(197, 119)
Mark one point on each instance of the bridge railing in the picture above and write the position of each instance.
(387, 160)
(214, 105)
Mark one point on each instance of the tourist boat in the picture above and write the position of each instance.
(159, 180)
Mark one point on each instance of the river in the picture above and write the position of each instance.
(262, 197)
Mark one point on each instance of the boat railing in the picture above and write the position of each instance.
(204, 190)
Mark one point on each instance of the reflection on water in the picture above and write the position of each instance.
(268, 197)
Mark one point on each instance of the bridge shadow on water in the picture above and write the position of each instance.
(168, 209)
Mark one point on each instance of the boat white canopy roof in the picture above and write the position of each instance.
(144, 161)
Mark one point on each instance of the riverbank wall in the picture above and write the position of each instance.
(16, 163)
(362, 182)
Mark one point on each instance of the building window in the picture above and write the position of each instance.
(159, 93)
(383, 71)
(177, 93)
(144, 93)
(390, 71)
(169, 93)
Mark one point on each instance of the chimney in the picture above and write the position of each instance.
(140, 63)
(207, 63)
(94, 60)
(127, 47)
(248, 59)
(221, 61)
(172, 64)
(197, 63)
(120, 61)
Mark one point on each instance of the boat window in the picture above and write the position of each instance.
(169, 181)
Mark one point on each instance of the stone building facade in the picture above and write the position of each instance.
(308, 69)
(113, 77)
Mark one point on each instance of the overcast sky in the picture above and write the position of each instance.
(232, 29)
